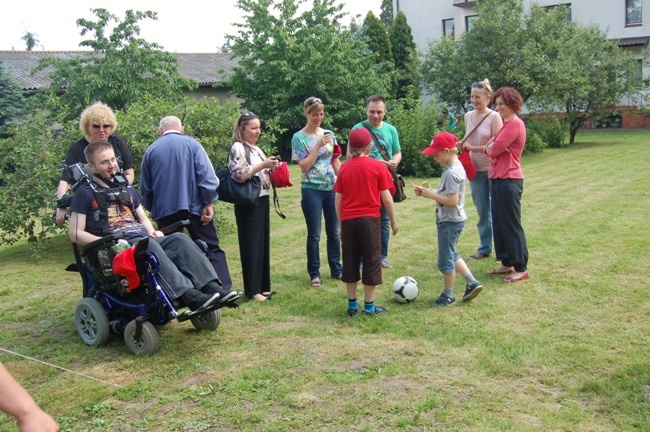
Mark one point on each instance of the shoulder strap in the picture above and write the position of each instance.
(475, 128)
(382, 150)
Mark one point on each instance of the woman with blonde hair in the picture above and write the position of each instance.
(97, 123)
(481, 125)
(246, 159)
(313, 147)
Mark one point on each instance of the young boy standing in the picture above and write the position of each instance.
(363, 184)
(450, 217)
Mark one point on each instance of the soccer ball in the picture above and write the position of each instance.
(405, 289)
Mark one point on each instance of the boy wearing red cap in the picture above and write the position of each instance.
(450, 217)
(362, 185)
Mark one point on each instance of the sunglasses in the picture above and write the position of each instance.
(106, 126)
(248, 115)
(312, 101)
(478, 85)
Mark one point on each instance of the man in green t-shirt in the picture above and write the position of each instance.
(388, 139)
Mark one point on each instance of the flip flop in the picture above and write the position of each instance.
(269, 296)
(511, 279)
(495, 272)
(478, 256)
(315, 282)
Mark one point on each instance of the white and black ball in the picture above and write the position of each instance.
(405, 289)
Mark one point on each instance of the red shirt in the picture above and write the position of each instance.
(506, 150)
(360, 182)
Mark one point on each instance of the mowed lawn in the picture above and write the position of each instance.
(566, 350)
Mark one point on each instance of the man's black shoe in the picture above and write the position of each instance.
(196, 300)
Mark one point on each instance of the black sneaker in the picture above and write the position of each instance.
(378, 310)
(196, 300)
(353, 312)
(444, 300)
(472, 290)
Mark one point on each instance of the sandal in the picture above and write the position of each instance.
(315, 282)
(269, 295)
(478, 256)
(504, 272)
(511, 279)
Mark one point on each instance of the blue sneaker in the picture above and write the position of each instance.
(378, 310)
(444, 300)
(353, 312)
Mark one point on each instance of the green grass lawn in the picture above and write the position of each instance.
(566, 350)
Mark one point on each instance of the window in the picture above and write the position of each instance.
(633, 12)
(565, 5)
(470, 21)
(448, 28)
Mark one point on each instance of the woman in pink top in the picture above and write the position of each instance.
(507, 185)
(489, 123)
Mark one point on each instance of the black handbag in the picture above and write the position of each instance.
(398, 182)
(242, 193)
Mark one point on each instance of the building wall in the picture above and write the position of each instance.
(425, 16)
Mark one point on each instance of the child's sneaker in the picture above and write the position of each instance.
(353, 312)
(444, 300)
(378, 310)
(472, 290)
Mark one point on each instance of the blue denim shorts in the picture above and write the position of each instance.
(448, 235)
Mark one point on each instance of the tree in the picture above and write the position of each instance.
(405, 58)
(286, 56)
(120, 69)
(376, 37)
(386, 15)
(30, 39)
(12, 103)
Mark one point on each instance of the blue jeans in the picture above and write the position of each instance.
(448, 235)
(385, 232)
(480, 187)
(315, 204)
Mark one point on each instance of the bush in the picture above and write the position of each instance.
(38, 147)
(534, 143)
(551, 130)
(416, 127)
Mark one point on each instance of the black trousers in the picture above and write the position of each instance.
(509, 236)
(208, 234)
(254, 233)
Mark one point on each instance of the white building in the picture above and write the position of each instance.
(627, 21)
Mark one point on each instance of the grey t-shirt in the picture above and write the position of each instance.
(451, 182)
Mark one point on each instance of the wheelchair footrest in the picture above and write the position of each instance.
(187, 314)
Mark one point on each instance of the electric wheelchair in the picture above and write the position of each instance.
(110, 305)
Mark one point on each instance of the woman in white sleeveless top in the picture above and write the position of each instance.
(480, 185)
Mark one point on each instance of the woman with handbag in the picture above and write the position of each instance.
(481, 125)
(246, 160)
(313, 147)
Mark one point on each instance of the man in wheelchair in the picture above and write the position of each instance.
(108, 205)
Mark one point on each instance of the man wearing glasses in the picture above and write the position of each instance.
(178, 182)
(98, 123)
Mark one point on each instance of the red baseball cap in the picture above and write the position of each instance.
(443, 140)
(124, 265)
(359, 138)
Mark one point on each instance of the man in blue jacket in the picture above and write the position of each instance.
(178, 182)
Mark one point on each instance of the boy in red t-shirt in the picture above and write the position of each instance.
(362, 185)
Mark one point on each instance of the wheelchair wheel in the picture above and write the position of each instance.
(91, 321)
(208, 321)
(149, 341)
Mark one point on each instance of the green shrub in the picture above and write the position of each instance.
(534, 143)
(31, 159)
(416, 127)
(551, 130)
